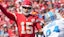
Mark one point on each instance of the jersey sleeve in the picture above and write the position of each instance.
(8, 14)
(38, 26)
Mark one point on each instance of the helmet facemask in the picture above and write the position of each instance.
(26, 10)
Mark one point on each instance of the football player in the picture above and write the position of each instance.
(55, 27)
(26, 23)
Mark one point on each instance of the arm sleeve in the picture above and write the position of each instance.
(38, 26)
(8, 14)
(37, 23)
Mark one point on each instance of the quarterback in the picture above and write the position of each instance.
(26, 22)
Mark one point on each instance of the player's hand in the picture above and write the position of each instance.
(40, 31)
(2, 6)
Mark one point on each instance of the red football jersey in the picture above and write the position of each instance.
(26, 26)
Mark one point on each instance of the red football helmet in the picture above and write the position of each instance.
(26, 7)
(27, 3)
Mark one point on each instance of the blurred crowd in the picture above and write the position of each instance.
(8, 27)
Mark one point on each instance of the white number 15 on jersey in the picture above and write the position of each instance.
(29, 29)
